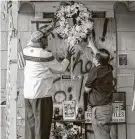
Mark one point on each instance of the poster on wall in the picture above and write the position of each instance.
(122, 59)
(88, 116)
(69, 110)
(119, 105)
(119, 109)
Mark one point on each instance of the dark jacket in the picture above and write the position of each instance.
(100, 80)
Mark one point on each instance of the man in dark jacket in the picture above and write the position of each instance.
(99, 85)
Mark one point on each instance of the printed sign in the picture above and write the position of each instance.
(69, 110)
(119, 112)
(88, 116)
(119, 105)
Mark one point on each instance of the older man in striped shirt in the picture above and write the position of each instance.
(38, 80)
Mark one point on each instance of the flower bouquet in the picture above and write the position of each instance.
(67, 131)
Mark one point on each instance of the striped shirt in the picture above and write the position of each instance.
(38, 72)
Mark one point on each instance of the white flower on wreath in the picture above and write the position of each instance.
(64, 137)
(62, 24)
(85, 9)
(77, 35)
(78, 18)
(78, 28)
(73, 7)
(62, 10)
(72, 41)
(67, 9)
(86, 15)
(83, 35)
(66, 30)
(62, 19)
(80, 8)
(60, 14)
(67, 25)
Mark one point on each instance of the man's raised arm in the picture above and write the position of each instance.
(92, 45)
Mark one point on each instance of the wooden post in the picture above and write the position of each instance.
(12, 72)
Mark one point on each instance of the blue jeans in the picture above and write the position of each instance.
(101, 117)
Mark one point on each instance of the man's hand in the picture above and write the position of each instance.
(92, 45)
(51, 26)
(70, 52)
(54, 24)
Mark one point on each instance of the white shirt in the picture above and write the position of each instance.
(38, 72)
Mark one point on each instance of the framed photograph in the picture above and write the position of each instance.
(69, 110)
(58, 106)
(122, 59)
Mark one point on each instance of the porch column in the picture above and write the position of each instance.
(12, 67)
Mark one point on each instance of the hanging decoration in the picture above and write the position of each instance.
(6, 7)
(7, 13)
(75, 22)
(13, 32)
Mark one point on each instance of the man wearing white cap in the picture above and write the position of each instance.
(38, 80)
